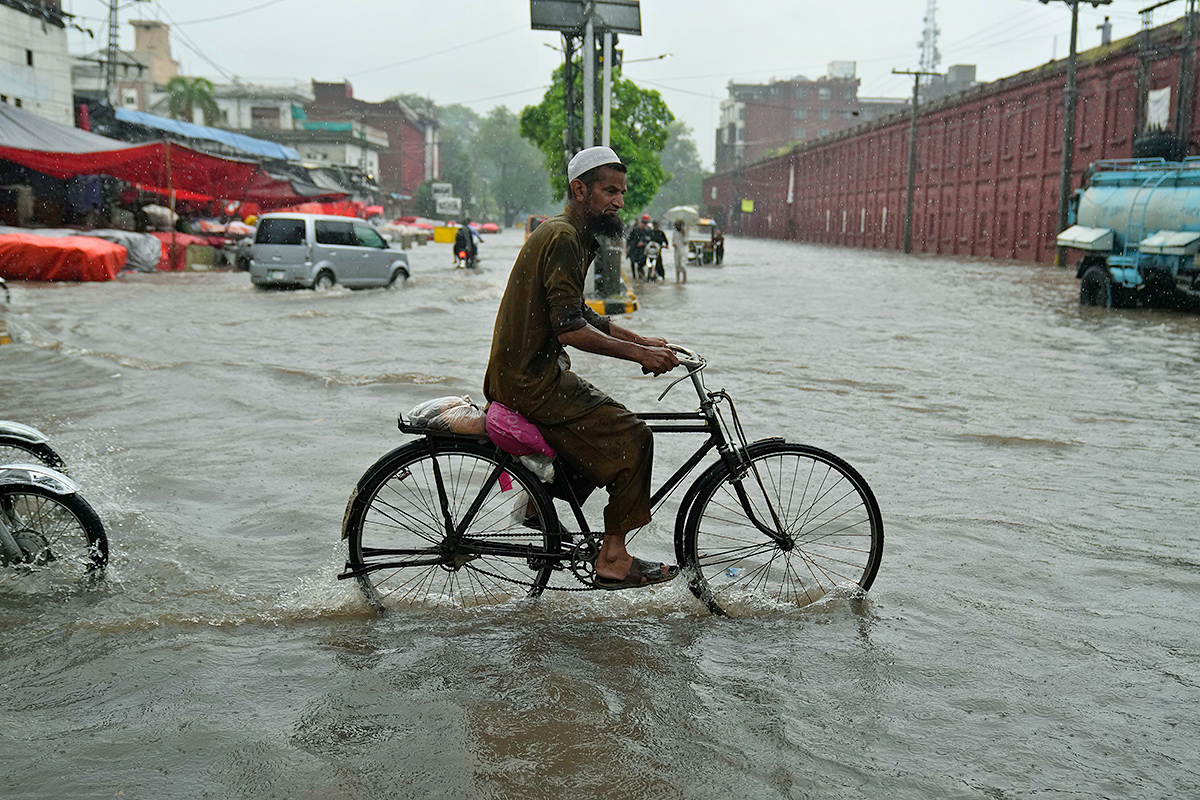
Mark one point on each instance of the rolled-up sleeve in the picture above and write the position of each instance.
(563, 279)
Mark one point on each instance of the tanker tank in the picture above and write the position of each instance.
(1137, 223)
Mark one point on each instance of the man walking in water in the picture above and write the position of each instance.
(529, 370)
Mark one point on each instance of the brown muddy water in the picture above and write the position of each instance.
(1031, 632)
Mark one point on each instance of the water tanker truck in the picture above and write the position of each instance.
(1137, 222)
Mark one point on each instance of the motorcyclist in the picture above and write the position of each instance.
(635, 246)
(464, 242)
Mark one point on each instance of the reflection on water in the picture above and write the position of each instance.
(1030, 631)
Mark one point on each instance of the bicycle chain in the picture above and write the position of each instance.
(583, 560)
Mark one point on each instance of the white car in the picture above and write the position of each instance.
(317, 251)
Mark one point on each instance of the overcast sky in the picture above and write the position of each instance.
(482, 53)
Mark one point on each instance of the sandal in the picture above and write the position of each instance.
(641, 573)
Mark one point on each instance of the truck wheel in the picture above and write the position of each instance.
(1096, 288)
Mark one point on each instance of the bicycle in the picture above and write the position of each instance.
(452, 518)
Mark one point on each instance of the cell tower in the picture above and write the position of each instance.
(930, 57)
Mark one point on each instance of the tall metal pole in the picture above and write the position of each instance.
(910, 185)
(589, 83)
(608, 54)
(110, 64)
(1070, 97)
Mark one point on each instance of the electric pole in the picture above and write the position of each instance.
(113, 53)
(912, 154)
(1070, 97)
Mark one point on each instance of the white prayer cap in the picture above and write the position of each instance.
(588, 159)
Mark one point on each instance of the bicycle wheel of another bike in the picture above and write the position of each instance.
(832, 531)
(62, 532)
(14, 450)
(398, 519)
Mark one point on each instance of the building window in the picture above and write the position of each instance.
(29, 58)
(849, 94)
(741, 134)
(742, 112)
(824, 113)
(867, 113)
(801, 92)
(801, 113)
(17, 102)
(799, 133)
(823, 132)
(848, 114)
(825, 93)
(264, 117)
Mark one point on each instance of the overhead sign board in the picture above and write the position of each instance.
(618, 16)
(449, 205)
(441, 189)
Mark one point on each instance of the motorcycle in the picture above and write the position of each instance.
(44, 520)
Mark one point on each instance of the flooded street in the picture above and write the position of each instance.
(1031, 631)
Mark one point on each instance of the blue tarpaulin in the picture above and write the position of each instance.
(247, 144)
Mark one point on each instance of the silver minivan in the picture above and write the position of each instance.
(318, 250)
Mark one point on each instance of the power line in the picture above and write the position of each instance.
(431, 55)
(230, 14)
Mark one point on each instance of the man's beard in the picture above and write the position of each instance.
(609, 225)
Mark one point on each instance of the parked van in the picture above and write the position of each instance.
(317, 251)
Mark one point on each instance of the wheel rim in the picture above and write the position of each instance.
(826, 510)
(51, 533)
(324, 281)
(400, 520)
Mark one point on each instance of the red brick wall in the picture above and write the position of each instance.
(988, 166)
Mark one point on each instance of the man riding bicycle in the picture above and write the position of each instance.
(543, 310)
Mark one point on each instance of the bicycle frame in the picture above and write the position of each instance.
(706, 420)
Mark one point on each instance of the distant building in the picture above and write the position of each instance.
(280, 114)
(759, 118)
(89, 82)
(957, 79)
(410, 157)
(35, 65)
(142, 74)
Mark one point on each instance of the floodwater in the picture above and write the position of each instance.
(1031, 632)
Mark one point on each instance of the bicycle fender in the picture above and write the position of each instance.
(24, 432)
(38, 475)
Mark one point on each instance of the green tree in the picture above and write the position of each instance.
(638, 132)
(186, 96)
(512, 167)
(682, 160)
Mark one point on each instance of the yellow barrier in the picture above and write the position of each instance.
(444, 234)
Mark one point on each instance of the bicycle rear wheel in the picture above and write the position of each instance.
(829, 521)
(58, 531)
(400, 517)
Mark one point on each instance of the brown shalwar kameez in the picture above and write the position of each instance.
(530, 372)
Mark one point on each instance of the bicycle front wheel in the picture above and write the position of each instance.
(800, 524)
(443, 522)
(60, 532)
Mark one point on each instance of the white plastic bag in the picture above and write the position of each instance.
(456, 414)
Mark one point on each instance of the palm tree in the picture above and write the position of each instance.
(186, 96)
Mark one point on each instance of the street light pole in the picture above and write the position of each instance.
(909, 187)
(1070, 98)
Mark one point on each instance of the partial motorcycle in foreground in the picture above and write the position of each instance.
(44, 520)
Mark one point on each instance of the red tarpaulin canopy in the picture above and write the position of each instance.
(27, 257)
(63, 152)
